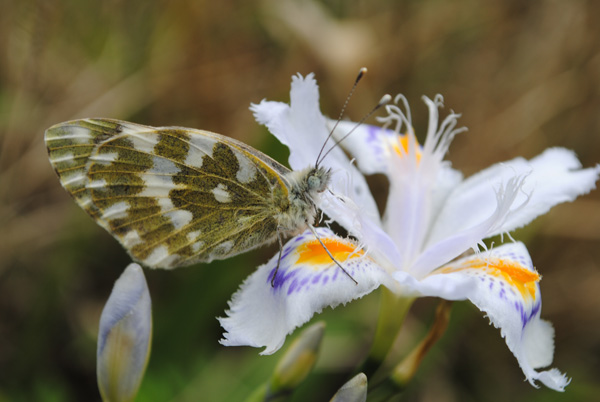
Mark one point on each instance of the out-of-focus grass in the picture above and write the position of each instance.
(525, 76)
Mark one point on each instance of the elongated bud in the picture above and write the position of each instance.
(124, 337)
(298, 360)
(354, 390)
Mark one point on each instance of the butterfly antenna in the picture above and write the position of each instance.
(361, 73)
(385, 99)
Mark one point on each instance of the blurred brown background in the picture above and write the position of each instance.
(525, 75)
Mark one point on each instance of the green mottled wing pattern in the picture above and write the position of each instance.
(172, 196)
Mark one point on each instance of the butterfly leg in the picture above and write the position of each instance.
(312, 229)
(279, 259)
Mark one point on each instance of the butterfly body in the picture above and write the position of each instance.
(174, 196)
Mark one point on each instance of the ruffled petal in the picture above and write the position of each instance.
(300, 126)
(556, 177)
(503, 283)
(303, 129)
(262, 315)
(549, 179)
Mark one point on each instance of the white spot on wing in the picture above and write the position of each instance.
(116, 211)
(247, 171)
(73, 133)
(67, 157)
(222, 249)
(97, 184)
(104, 158)
(165, 204)
(144, 143)
(72, 179)
(221, 194)
(192, 236)
(84, 201)
(179, 217)
(132, 238)
(160, 257)
(197, 246)
(200, 146)
(164, 166)
(157, 185)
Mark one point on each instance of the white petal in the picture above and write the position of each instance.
(557, 177)
(503, 284)
(368, 144)
(303, 129)
(300, 126)
(124, 336)
(551, 178)
(307, 281)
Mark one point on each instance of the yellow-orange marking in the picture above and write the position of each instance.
(402, 145)
(313, 253)
(510, 271)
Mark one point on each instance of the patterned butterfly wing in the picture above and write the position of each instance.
(172, 196)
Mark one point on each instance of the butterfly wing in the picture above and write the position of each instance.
(172, 196)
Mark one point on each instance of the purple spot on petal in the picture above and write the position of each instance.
(292, 286)
(372, 133)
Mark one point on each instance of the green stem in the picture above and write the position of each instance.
(404, 372)
(391, 317)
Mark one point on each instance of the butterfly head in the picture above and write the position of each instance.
(317, 180)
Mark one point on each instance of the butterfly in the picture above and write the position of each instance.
(176, 196)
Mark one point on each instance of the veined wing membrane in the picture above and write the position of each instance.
(170, 195)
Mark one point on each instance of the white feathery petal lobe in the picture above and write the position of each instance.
(557, 177)
(260, 315)
(303, 129)
(512, 304)
(549, 179)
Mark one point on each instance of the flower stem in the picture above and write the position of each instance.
(406, 370)
(391, 316)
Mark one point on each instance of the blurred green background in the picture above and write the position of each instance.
(525, 75)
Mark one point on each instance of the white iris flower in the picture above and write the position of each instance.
(432, 217)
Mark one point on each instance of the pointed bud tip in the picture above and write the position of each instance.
(354, 390)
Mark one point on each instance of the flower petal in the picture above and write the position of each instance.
(307, 281)
(549, 179)
(124, 336)
(300, 126)
(303, 129)
(370, 145)
(503, 283)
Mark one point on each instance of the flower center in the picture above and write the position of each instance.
(402, 146)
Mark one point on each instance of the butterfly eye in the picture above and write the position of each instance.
(314, 183)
